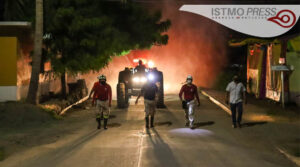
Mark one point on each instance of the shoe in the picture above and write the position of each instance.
(147, 122)
(152, 122)
(192, 126)
(233, 126)
(105, 123)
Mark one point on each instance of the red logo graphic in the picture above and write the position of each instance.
(284, 18)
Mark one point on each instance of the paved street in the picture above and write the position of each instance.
(126, 143)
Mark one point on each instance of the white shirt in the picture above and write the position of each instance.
(236, 92)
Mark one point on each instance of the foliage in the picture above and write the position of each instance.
(2, 155)
(237, 43)
(19, 10)
(225, 77)
(85, 34)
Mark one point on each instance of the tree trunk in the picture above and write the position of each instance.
(63, 85)
(36, 59)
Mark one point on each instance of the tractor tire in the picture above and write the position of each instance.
(121, 98)
(160, 100)
(126, 96)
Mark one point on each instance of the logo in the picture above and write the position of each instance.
(255, 20)
(284, 18)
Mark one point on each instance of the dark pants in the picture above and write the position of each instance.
(239, 108)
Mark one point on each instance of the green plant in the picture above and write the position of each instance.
(84, 35)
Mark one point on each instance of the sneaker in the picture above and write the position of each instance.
(233, 126)
(192, 126)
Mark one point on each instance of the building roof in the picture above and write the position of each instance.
(15, 23)
(22, 30)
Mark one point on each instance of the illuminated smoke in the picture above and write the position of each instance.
(197, 46)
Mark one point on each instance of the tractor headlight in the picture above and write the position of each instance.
(151, 77)
(136, 79)
(139, 79)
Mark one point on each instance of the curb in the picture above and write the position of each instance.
(224, 107)
(294, 159)
(70, 106)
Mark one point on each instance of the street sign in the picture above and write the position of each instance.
(280, 68)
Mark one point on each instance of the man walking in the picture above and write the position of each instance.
(190, 91)
(102, 100)
(149, 91)
(236, 93)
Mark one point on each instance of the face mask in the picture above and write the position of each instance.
(235, 79)
(189, 81)
(103, 82)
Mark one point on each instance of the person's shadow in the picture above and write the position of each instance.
(200, 124)
(162, 152)
(250, 124)
(166, 123)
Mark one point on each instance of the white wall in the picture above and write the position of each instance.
(8, 93)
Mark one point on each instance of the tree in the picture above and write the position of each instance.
(85, 34)
(16, 10)
(36, 59)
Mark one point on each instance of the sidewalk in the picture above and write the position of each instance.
(280, 126)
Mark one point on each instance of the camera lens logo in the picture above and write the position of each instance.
(284, 18)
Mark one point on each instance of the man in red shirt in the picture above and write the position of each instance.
(190, 91)
(102, 99)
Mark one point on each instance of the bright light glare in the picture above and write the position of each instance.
(189, 132)
(143, 79)
(151, 77)
(135, 60)
(151, 64)
(136, 79)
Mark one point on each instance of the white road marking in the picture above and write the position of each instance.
(141, 139)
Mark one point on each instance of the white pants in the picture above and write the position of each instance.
(189, 112)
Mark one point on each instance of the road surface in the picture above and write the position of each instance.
(127, 144)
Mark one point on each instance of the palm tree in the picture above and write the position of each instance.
(36, 59)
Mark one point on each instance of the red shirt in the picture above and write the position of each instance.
(102, 92)
(190, 91)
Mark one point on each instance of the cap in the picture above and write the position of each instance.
(189, 77)
(101, 77)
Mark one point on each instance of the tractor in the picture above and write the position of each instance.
(131, 80)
